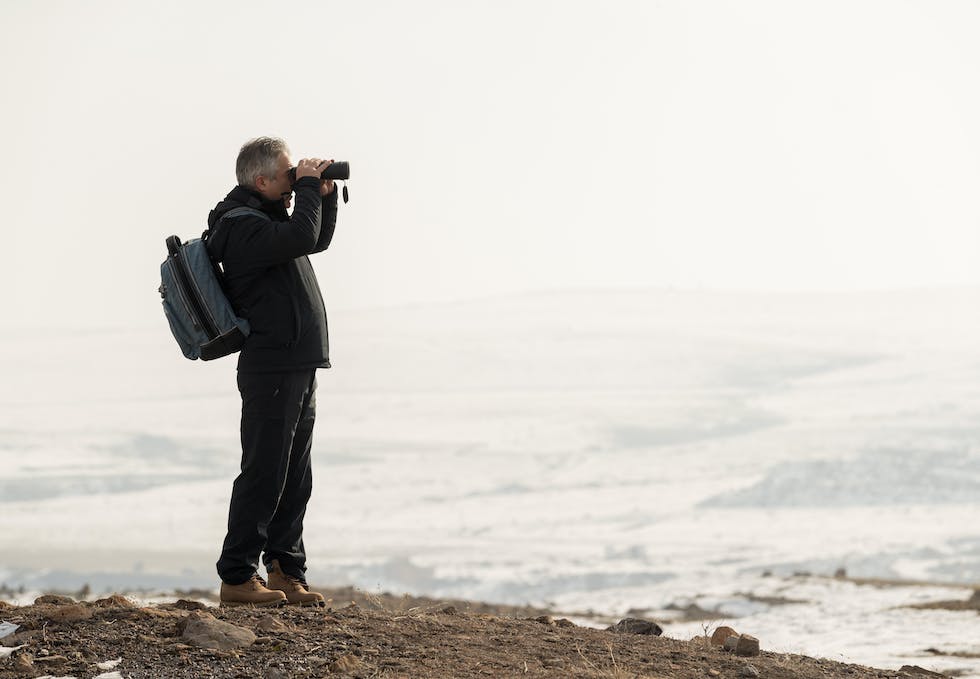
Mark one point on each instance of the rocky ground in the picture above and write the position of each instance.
(365, 635)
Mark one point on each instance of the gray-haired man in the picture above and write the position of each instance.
(270, 282)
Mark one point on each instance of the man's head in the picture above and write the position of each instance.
(263, 165)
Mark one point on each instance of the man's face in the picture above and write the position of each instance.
(274, 188)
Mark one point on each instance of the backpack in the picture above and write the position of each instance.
(201, 318)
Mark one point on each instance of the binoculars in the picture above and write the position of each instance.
(339, 169)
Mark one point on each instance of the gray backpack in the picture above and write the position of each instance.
(201, 318)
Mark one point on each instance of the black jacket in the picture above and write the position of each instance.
(268, 276)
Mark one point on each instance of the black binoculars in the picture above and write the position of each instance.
(339, 169)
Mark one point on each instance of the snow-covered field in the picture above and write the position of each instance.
(599, 451)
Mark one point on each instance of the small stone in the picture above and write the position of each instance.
(115, 601)
(51, 660)
(188, 605)
(345, 663)
(747, 646)
(450, 610)
(545, 620)
(714, 673)
(721, 634)
(916, 671)
(70, 613)
(152, 612)
(24, 664)
(271, 624)
(748, 671)
(564, 622)
(204, 630)
(275, 673)
(56, 599)
(636, 626)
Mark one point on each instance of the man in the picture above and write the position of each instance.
(270, 282)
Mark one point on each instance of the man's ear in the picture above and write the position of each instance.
(261, 183)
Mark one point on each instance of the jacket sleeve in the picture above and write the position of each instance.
(263, 243)
(328, 220)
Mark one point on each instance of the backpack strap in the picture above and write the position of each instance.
(234, 212)
(243, 210)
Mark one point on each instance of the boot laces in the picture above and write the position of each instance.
(257, 579)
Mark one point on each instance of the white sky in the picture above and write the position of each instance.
(498, 146)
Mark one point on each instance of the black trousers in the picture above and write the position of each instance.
(268, 499)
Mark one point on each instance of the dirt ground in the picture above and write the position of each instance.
(367, 635)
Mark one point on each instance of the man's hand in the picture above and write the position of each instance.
(311, 167)
(314, 167)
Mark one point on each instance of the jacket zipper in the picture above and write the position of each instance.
(203, 314)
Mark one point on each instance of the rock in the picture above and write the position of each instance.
(152, 612)
(56, 599)
(748, 671)
(24, 664)
(4, 604)
(205, 631)
(53, 660)
(115, 601)
(636, 626)
(731, 642)
(545, 620)
(720, 634)
(747, 646)
(450, 610)
(916, 671)
(714, 673)
(187, 605)
(345, 663)
(72, 613)
(271, 624)
(275, 673)
(564, 622)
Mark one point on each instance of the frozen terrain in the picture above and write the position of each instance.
(597, 451)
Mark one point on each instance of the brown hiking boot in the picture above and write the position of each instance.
(294, 588)
(252, 592)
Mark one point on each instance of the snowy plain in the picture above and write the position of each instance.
(598, 452)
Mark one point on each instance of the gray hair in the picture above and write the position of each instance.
(259, 156)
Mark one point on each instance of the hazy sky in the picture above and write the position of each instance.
(498, 146)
